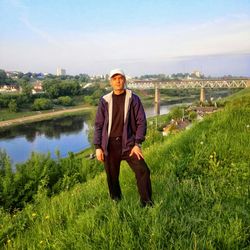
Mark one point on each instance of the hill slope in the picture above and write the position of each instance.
(201, 188)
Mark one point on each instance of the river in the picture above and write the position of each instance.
(66, 134)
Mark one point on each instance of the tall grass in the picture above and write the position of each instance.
(201, 190)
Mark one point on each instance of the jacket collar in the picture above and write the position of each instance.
(108, 98)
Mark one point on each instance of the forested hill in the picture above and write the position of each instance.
(200, 180)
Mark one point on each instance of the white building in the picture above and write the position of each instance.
(60, 72)
(37, 88)
(9, 88)
(197, 73)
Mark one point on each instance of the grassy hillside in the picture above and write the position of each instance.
(201, 189)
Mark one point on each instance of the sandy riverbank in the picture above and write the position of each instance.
(40, 117)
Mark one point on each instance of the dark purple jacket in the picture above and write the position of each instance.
(135, 123)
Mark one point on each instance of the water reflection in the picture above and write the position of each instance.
(54, 128)
(67, 134)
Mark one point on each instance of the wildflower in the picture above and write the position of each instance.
(248, 126)
(8, 241)
(33, 215)
(211, 156)
(41, 242)
(47, 217)
(201, 142)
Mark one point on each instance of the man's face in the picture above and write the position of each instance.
(117, 82)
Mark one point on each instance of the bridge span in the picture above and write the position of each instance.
(201, 84)
(187, 84)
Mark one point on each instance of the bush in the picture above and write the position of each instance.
(5, 99)
(65, 100)
(12, 106)
(42, 104)
(20, 187)
(177, 113)
(90, 100)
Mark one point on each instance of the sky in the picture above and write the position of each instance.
(141, 37)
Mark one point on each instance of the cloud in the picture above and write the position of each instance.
(225, 35)
(24, 18)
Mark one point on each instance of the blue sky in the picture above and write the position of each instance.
(143, 37)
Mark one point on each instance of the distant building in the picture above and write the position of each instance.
(196, 73)
(12, 74)
(60, 72)
(40, 76)
(9, 88)
(37, 88)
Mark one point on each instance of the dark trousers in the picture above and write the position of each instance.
(112, 166)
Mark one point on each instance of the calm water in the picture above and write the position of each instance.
(67, 134)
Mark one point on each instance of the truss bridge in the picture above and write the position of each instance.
(187, 84)
(201, 84)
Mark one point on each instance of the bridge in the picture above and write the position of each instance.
(201, 84)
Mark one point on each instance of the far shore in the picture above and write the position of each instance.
(41, 117)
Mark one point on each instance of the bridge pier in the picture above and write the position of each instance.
(248, 84)
(157, 100)
(202, 95)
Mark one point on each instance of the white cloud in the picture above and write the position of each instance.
(224, 35)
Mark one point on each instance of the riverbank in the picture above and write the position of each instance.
(43, 116)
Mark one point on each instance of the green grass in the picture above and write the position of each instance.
(201, 189)
(6, 115)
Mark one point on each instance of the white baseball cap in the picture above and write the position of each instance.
(115, 72)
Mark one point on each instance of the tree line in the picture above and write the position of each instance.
(57, 91)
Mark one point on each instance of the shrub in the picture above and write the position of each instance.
(177, 113)
(42, 104)
(90, 100)
(192, 115)
(20, 187)
(65, 100)
(12, 106)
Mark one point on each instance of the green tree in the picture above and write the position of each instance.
(57, 87)
(98, 93)
(20, 75)
(42, 104)
(83, 77)
(3, 76)
(88, 99)
(26, 89)
(177, 113)
(51, 87)
(12, 106)
(65, 100)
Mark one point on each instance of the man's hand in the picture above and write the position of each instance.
(137, 151)
(99, 154)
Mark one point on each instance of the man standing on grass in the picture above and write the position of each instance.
(120, 128)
